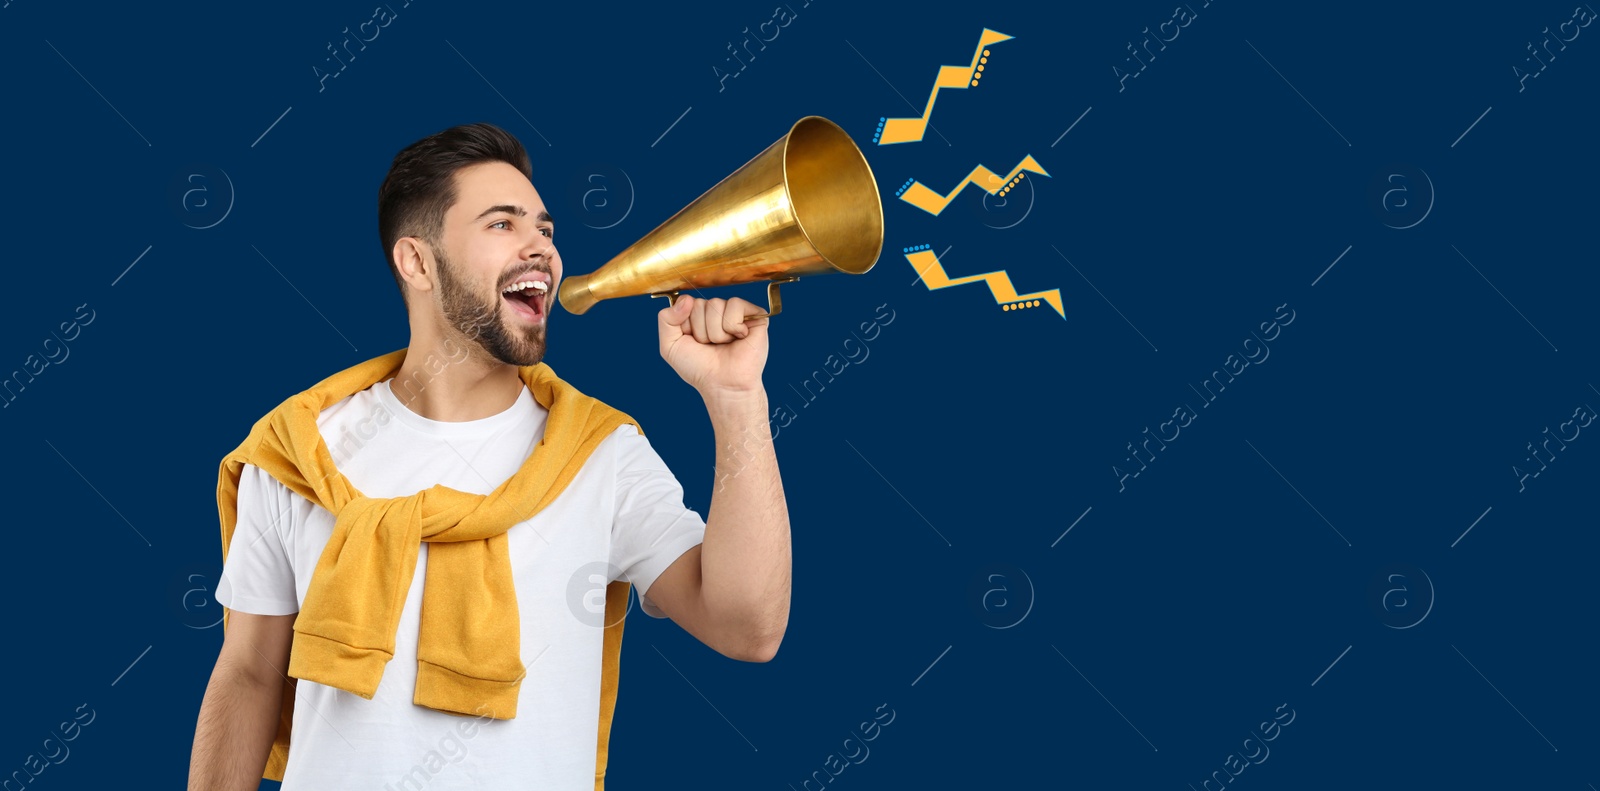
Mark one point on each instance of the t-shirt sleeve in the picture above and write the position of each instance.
(653, 527)
(257, 576)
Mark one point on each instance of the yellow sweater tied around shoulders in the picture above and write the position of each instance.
(469, 640)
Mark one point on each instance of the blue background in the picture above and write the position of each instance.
(1234, 575)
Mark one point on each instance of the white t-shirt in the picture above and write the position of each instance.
(621, 517)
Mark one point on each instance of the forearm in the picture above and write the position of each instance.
(234, 735)
(745, 560)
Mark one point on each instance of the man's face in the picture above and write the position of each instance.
(498, 233)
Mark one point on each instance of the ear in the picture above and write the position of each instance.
(414, 258)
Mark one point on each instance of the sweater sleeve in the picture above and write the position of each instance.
(257, 576)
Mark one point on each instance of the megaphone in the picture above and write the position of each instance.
(805, 206)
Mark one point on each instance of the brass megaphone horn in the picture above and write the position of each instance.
(805, 206)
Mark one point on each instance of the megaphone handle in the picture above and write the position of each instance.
(774, 299)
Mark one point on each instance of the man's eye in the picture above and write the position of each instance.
(549, 233)
(506, 223)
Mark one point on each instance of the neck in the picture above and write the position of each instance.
(454, 380)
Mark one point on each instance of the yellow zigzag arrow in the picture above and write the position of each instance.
(933, 276)
(910, 130)
(920, 196)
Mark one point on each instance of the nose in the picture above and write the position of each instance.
(540, 246)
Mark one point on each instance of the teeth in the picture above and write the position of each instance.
(526, 284)
(540, 284)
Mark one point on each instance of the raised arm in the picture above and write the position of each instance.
(732, 592)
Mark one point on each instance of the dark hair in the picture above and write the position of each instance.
(421, 187)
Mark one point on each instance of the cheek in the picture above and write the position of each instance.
(476, 263)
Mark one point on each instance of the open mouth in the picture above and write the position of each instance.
(528, 299)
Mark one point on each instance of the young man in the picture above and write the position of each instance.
(418, 549)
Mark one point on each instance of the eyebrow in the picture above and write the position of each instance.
(544, 216)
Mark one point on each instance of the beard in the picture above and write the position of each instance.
(480, 320)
